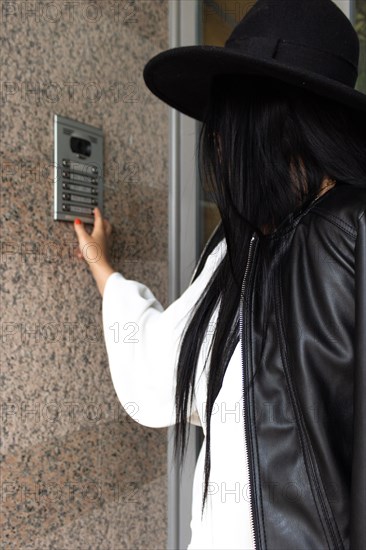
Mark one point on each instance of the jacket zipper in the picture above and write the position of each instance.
(241, 324)
(253, 239)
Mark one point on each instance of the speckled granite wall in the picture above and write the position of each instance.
(77, 472)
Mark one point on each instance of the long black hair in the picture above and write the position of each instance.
(264, 150)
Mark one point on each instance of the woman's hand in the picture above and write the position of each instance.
(93, 248)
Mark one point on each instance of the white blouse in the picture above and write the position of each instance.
(142, 342)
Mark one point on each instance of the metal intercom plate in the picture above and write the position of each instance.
(78, 165)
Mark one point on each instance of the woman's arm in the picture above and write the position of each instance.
(101, 273)
(143, 342)
(142, 339)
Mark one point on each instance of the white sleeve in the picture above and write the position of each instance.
(142, 341)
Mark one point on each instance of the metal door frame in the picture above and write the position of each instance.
(184, 29)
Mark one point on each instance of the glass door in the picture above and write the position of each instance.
(218, 18)
(358, 19)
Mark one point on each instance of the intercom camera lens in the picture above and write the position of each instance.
(80, 146)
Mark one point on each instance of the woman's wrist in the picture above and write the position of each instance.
(101, 271)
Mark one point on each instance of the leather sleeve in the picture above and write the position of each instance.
(358, 488)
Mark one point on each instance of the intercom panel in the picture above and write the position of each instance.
(78, 170)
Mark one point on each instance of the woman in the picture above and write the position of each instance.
(265, 349)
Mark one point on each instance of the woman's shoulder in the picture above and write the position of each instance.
(344, 205)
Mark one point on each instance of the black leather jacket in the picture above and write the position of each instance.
(305, 414)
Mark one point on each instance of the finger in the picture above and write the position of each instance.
(80, 230)
(107, 227)
(98, 221)
(77, 252)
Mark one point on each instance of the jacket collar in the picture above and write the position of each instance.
(292, 219)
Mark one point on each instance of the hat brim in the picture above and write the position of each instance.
(181, 77)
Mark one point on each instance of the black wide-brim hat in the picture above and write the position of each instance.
(310, 44)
